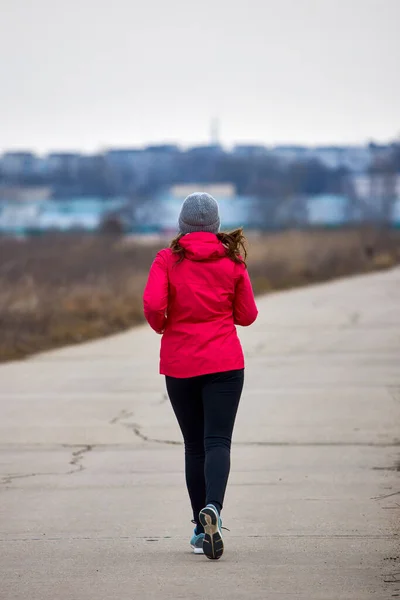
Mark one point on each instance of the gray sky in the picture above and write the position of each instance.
(87, 74)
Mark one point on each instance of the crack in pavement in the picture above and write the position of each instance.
(76, 462)
(164, 398)
(384, 496)
(137, 430)
(77, 457)
(9, 478)
(123, 414)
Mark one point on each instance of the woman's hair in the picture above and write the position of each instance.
(234, 242)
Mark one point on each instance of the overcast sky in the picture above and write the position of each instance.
(88, 74)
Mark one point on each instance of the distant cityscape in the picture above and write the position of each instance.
(147, 161)
(141, 189)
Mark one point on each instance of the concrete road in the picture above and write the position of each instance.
(93, 503)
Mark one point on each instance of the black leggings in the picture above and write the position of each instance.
(206, 409)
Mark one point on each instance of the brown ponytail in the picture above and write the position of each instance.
(234, 242)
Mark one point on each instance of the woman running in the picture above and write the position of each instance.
(197, 291)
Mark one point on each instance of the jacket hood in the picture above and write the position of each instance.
(202, 246)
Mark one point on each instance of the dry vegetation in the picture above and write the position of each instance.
(62, 290)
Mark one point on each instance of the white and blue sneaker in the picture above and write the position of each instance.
(197, 542)
(213, 545)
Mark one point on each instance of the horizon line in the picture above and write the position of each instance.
(187, 146)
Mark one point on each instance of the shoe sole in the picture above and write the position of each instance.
(213, 545)
(197, 550)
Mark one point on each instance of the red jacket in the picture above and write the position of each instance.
(196, 304)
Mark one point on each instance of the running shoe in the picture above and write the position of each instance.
(213, 545)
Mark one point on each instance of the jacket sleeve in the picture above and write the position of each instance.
(155, 297)
(244, 306)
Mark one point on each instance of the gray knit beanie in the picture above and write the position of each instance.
(199, 212)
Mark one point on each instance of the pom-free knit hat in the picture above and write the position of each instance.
(199, 212)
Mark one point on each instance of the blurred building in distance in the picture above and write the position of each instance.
(256, 186)
(377, 194)
(38, 216)
(137, 167)
(15, 164)
(250, 150)
(328, 209)
(25, 193)
(353, 158)
(218, 190)
(290, 154)
(65, 163)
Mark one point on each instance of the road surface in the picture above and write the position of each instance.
(92, 498)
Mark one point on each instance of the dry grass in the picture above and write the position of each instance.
(285, 260)
(62, 290)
